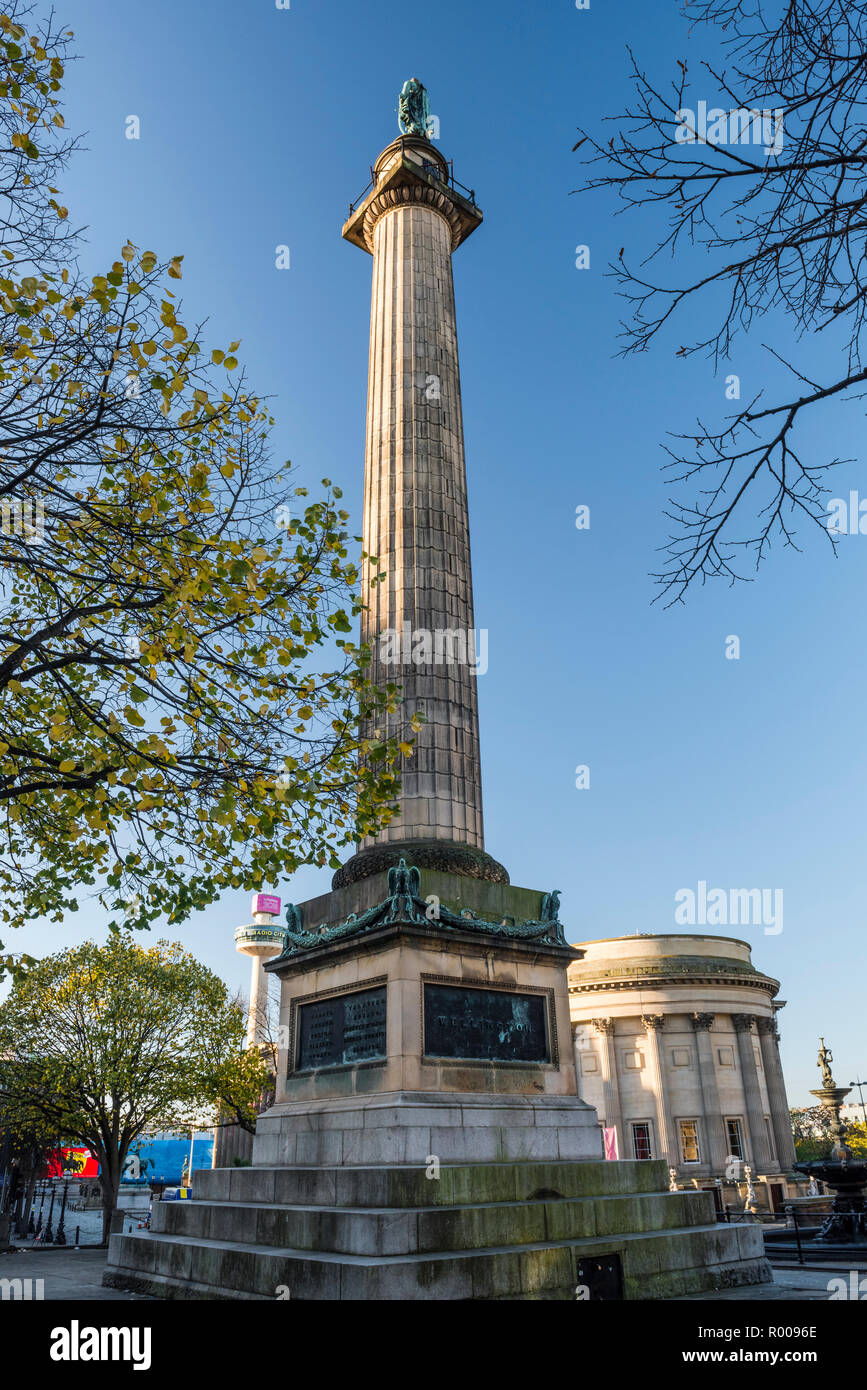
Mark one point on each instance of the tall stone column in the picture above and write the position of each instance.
(654, 1023)
(759, 1153)
(781, 1122)
(419, 620)
(713, 1117)
(610, 1087)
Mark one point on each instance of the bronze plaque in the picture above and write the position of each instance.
(489, 1025)
(341, 1030)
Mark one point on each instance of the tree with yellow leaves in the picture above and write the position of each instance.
(181, 707)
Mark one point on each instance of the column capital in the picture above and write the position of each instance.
(653, 1022)
(702, 1022)
(603, 1025)
(743, 1022)
(768, 1026)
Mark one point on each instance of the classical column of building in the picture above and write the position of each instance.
(668, 1149)
(610, 1088)
(761, 1156)
(717, 1141)
(781, 1123)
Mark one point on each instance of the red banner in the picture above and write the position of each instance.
(71, 1163)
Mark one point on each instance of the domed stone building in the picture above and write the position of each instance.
(676, 1046)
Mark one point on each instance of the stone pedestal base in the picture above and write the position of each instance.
(411, 1126)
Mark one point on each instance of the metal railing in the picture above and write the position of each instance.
(788, 1218)
(427, 166)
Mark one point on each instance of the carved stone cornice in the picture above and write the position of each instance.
(701, 1022)
(653, 1022)
(743, 1022)
(672, 972)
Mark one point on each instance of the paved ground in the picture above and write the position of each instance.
(67, 1274)
(71, 1274)
(801, 1285)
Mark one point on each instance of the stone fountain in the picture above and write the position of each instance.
(845, 1175)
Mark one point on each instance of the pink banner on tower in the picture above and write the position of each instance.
(265, 902)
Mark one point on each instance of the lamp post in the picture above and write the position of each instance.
(49, 1235)
(39, 1221)
(60, 1238)
(189, 1162)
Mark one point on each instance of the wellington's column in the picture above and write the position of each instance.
(419, 620)
(424, 1000)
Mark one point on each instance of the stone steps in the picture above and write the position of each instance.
(486, 1231)
(409, 1186)
(662, 1265)
(370, 1231)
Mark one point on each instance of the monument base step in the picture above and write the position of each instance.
(482, 1231)
(541, 1270)
(405, 1127)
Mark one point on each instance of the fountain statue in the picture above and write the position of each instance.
(826, 1057)
(847, 1223)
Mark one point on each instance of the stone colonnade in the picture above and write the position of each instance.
(715, 1140)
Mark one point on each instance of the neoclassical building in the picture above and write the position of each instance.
(676, 1046)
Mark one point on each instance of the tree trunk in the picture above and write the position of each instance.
(109, 1181)
(28, 1200)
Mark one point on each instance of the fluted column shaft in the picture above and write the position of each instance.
(665, 1129)
(610, 1088)
(781, 1122)
(717, 1140)
(760, 1154)
(416, 524)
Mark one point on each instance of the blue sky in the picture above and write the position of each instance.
(257, 129)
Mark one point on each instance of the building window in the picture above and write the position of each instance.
(689, 1141)
(735, 1138)
(641, 1141)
